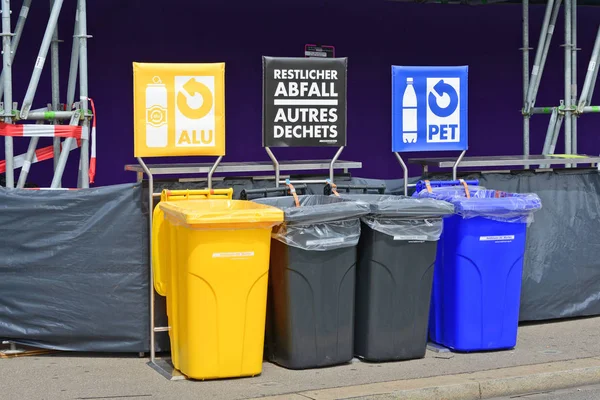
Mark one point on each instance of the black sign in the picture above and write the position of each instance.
(304, 102)
(317, 51)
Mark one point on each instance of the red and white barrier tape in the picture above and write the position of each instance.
(47, 153)
(43, 154)
(35, 130)
(92, 170)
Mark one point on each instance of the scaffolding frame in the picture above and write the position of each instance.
(571, 107)
(55, 114)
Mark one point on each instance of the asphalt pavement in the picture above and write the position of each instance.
(548, 356)
(581, 393)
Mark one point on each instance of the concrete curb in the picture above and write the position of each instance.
(470, 386)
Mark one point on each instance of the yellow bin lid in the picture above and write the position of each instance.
(219, 214)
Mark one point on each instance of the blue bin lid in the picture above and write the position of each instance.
(494, 204)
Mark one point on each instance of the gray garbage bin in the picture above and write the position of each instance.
(396, 254)
(312, 281)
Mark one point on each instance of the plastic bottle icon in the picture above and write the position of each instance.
(157, 130)
(409, 113)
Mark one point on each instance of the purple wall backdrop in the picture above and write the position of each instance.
(372, 34)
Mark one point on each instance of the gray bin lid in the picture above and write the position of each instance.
(316, 208)
(402, 206)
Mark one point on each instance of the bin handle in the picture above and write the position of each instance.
(333, 187)
(467, 193)
(186, 194)
(158, 270)
(293, 192)
(428, 186)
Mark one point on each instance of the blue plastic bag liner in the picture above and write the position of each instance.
(421, 185)
(491, 204)
(404, 218)
(319, 223)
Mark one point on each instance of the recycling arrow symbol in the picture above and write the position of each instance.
(190, 89)
(439, 90)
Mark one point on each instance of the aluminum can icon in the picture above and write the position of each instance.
(157, 129)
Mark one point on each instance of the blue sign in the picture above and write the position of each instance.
(429, 108)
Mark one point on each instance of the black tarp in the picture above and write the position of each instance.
(74, 269)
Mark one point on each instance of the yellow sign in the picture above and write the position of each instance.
(179, 109)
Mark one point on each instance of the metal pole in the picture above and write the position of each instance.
(150, 211)
(64, 154)
(591, 109)
(538, 54)
(83, 93)
(546, 48)
(41, 59)
(550, 131)
(48, 115)
(7, 69)
(275, 165)
(55, 85)
(27, 163)
(74, 64)
(526, 145)
(333, 161)
(592, 71)
(574, 74)
(455, 167)
(212, 171)
(593, 84)
(568, 78)
(405, 171)
(556, 132)
(542, 110)
(17, 37)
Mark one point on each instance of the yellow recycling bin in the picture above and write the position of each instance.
(211, 261)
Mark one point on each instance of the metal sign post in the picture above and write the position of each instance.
(429, 111)
(304, 105)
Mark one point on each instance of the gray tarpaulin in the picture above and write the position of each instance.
(74, 269)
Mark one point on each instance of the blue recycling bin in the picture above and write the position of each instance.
(423, 183)
(478, 271)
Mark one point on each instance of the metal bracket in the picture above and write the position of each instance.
(212, 171)
(405, 169)
(455, 167)
(276, 165)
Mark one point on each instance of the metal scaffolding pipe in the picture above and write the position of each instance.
(591, 109)
(568, 77)
(554, 137)
(27, 163)
(50, 115)
(550, 131)
(83, 179)
(593, 85)
(41, 59)
(550, 33)
(55, 85)
(592, 72)
(545, 35)
(74, 64)
(7, 70)
(542, 110)
(526, 143)
(16, 38)
(574, 74)
(559, 123)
